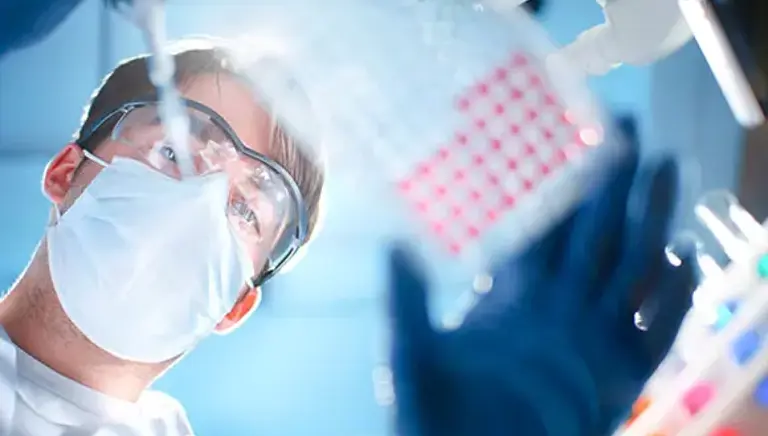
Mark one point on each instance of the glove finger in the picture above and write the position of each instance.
(519, 278)
(649, 216)
(595, 242)
(667, 306)
(412, 334)
(408, 311)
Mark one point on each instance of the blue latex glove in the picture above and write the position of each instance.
(27, 22)
(553, 348)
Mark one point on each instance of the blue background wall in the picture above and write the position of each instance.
(303, 365)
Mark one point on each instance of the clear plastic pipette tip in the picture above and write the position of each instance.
(149, 15)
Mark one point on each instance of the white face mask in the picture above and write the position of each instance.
(146, 265)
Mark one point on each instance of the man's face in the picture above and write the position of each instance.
(69, 174)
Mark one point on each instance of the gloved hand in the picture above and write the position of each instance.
(553, 348)
(27, 22)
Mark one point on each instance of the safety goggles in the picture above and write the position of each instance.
(265, 206)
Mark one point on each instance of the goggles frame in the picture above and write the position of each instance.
(302, 216)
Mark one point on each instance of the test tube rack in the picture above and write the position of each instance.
(715, 380)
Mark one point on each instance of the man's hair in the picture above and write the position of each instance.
(130, 81)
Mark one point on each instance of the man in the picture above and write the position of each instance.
(138, 263)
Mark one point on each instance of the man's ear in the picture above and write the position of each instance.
(244, 307)
(58, 175)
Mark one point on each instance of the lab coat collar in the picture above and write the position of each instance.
(36, 383)
(8, 382)
(28, 384)
(34, 376)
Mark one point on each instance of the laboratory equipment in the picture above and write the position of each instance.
(640, 32)
(731, 38)
(714, 380)
(635, 32)
(451, 114)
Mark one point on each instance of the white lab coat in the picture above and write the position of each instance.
(37, 401)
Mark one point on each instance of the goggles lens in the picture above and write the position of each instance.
(263, 209)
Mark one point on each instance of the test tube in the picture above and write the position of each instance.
(732, 226)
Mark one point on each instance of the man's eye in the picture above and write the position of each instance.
(247, 215)
(168, 153)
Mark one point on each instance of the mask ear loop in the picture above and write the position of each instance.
(93, 158)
